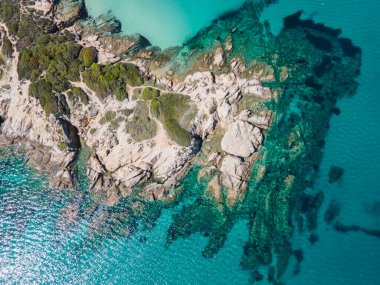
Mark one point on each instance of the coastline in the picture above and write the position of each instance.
(236, 121)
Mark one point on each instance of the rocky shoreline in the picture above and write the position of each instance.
(249, 109)
(121, 163)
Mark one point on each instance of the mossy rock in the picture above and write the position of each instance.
(170, 108)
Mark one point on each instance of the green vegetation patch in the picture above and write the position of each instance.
(127, 112)
(112, 119)
(170, 109)
(81, 94)
(108, 117)
(57, 55)
(141, 127)
(88, 56)
(250, 102)
(150, 93)
(50, 64)
(108, 80)
(7, 48)
(43, 91)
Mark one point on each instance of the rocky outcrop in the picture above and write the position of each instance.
(120, 163)
(66, 12)
(219, 57)
(242, 139)
(24, 122)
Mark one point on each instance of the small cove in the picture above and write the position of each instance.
(164, 23)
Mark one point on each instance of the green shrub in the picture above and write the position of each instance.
(155, 106)
(57, 55)
(108, 117)
(39, 88)
(108, 80)
(121, 94)
(88, 56)
(127, 112)
(62, 145)
(10, 14)
(26, 65)
(81, 95)
(7, 48)
(42, 90)
(150, 94)
(63, 106)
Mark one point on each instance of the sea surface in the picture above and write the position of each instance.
(164, 23)
(34, 251)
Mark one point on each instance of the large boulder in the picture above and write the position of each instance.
(234, 171)
(241, 139)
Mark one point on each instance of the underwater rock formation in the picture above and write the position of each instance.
(247, 113)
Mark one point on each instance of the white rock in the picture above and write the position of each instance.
(218, 57)
(241, 139)
(234, 171)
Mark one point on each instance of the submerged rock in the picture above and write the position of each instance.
(223, 99)
(335, 174)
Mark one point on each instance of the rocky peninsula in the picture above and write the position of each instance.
(246, 110)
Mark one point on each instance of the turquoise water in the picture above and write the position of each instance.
(164, 23)
(352, 143)
(33, 250)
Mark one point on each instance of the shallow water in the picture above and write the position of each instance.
(164, 23)
(34, 251)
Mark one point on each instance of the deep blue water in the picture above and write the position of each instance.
(33, 251)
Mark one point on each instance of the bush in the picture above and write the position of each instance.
(127, 112)
(108, 117)
(55, 54)
(88, 56)
(79, 93)
(42, 90)
(150, 94)
(39, 88)
(10, 14)
(7, 48)
(108, 80)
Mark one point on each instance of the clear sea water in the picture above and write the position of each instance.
(33, 252)
(164, 23)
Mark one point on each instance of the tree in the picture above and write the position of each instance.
(88, 55)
